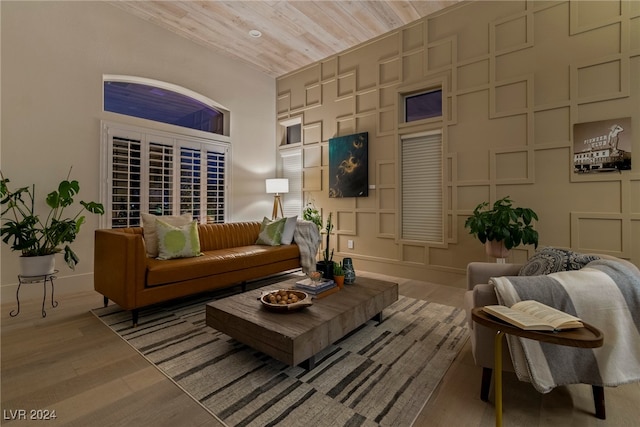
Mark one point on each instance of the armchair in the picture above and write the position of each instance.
(480, 293)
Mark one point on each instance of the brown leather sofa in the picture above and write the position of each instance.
(125, 274)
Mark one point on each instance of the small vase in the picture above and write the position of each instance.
(349, 272)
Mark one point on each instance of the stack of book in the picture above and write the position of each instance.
(318, 289)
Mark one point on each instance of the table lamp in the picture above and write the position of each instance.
(277, 186)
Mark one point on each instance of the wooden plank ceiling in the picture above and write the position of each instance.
(294, 33)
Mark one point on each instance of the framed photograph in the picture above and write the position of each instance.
(349, 165)
(603, 146)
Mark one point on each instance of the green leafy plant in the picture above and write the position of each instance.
(311, 213)
(503, 222)
(23, 230)
(338, 270)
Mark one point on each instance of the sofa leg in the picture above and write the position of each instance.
(486, 384)
(598, 400)
(243, 286)
(134, 317)
(105, 300)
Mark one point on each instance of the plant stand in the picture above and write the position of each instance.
(36, 279)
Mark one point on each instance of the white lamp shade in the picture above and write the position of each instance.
(277, 185)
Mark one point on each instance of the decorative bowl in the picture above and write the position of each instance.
(300, 301)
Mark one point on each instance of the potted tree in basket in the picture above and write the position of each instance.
(502, 227)
(36, 239)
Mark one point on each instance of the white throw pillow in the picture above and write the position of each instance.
(289, 229)
(177, 242)
(149, 229)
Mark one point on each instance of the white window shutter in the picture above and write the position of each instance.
(422, 188)
(190, 179)
(125, 191)
(163, 174)
(160, 176)
(292, 170)
(215, 186)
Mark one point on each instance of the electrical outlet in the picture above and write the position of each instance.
(350, 244)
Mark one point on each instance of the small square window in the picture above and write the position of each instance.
(294, 134)
(423, 105)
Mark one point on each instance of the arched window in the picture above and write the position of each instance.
(163, 102)
(158, 169)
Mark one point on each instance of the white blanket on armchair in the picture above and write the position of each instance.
(604, 293)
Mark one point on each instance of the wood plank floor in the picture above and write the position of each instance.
(71, 363)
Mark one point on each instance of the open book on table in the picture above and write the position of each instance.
(532, 315)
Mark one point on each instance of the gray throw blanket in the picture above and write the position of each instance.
(606, 294)
(307, 237)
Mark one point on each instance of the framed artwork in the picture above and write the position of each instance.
(349, 165)
(603, 146)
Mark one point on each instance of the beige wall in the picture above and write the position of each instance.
(517, 76)
(54, 55)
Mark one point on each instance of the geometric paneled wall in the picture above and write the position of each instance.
(516, 78)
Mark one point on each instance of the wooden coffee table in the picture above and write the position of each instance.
(296, 337)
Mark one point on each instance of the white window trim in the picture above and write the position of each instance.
(211, 140)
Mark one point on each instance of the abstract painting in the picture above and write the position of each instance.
(349, 165)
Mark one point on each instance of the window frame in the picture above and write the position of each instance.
(284, 131)
(407, 96)
(146, 136)
(174, 88)
(405, 127)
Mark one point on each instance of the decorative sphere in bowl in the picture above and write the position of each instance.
(285, 300)
(315, 276)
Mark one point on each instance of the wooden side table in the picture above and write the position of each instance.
(587, 337)
(36, 279)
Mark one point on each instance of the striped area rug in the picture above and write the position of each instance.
(379, 375)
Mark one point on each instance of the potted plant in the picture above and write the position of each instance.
(311, 213)
(25, 231)
(502, 227)
(326, 265)
(338, 274)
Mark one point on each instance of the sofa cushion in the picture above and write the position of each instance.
(161, 272)
(228, 235)
(149, 229)
(551, 260)
(271, 232)
(177, 242)
(289, 230)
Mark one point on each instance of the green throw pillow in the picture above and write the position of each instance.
(177, 242)
(149, 229)
(271, 232)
